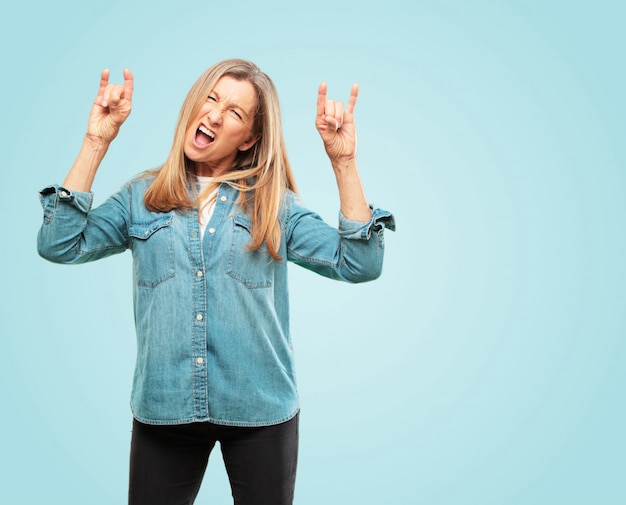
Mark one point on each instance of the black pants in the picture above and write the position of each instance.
(167, 463)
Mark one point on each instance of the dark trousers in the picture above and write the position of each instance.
(167, 463)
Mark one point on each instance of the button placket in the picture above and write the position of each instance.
(199, 345)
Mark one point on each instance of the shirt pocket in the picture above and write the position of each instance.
(153, 251)
(254, 269)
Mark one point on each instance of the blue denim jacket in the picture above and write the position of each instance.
(211, 317)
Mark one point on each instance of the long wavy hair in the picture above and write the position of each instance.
(261, 174)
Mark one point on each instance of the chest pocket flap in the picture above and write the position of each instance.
(254, 269)
(153, 251)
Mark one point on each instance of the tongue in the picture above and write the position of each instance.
(202, 140)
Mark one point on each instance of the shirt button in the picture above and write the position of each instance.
(194, 234)
(199, 317)
(199, 273)
(199, 361)
(223, 198)
(211, 230)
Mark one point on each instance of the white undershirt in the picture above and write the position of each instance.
(206, 211)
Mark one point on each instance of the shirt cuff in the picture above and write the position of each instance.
(50, 196)
(363, 230)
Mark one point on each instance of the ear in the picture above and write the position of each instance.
(249, 143)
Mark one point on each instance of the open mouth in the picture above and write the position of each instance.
(204, 137)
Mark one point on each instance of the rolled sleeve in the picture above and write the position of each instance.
(73, 232)
(344, 253)
(51, 196)
(357, 230)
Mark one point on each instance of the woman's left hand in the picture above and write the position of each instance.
(336, 125)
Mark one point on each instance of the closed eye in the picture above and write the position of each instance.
(236, 113)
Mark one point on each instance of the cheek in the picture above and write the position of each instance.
(192, 126)
(236, 132)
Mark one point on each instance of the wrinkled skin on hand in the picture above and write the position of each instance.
(111, 108)
(336, 125)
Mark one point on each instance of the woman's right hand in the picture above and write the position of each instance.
(110, 109)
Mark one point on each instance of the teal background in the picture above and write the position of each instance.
(486, 365)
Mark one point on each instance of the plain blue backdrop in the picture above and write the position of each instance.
(486, 366)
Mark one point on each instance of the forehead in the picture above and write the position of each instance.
(236, 92)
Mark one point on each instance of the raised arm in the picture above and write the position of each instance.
(336, 127)
(110, 109)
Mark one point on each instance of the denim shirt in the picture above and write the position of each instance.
(211, 316)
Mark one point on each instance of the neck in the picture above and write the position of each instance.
(206, 170)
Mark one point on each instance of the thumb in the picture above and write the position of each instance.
(119, 106)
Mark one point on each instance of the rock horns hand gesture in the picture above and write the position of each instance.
(111, 108)
(336, 125)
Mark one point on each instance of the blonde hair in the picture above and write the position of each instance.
(261, 174)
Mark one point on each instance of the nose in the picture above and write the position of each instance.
(215, 114)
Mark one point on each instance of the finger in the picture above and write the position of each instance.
(321, 98)
(104, 81)
(339, 114)
(117, 94)
(329, 109)
(354, 93)
(332, 124)
(129, 84)
(112, 96)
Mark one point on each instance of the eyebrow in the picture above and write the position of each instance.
(235, 105)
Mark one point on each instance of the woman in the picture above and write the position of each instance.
(211, 232)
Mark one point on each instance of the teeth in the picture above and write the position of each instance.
(207, 132)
